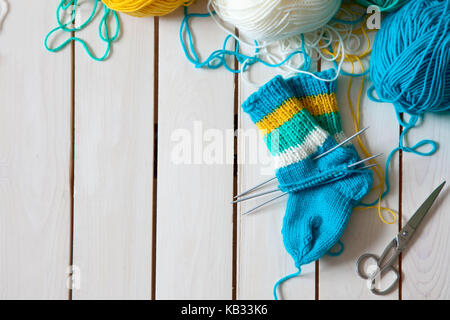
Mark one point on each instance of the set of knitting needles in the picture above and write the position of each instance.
(240, 197)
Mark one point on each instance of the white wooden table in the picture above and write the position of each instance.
(87, 177)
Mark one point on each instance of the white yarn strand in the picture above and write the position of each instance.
(292, 70)
(278, 27)
(3, 11)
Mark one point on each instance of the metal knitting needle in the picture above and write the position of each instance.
(256, 195)
(364, 160)
(285, 193)
(275, 190)
(367, 167)
(318, 157)
(264, 203)
(254, 188)
(340, 144)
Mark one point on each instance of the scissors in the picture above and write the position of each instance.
(386, 262)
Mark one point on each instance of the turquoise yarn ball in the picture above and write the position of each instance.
(409, 65)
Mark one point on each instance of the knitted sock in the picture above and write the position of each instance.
(319, 98)
(322, 192)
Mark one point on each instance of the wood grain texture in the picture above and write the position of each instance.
(34, 157)
(114, 164)
(365, 232)
(194, 213)
(425, 263)
(263, 260)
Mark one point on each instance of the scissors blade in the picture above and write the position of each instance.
(418, 216)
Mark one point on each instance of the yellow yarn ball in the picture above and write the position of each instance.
(142, 8)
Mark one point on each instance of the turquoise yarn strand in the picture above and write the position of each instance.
(102, 29)
(339, 252)
(221, 57)
(407, 126)
(218, 58)
(277, 284)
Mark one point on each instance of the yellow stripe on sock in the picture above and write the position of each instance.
(279, 116)
(316, 105)
(320, 104)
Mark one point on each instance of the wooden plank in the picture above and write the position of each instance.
(35, 144)
(365, 231)
(425, 263)
(263, 260)
(114, 164)
(194, 213)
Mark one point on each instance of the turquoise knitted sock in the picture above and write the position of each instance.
(323, 192)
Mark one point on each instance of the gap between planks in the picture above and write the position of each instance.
(234, 258)
(72, 157)
(155, 154)
(400, 211)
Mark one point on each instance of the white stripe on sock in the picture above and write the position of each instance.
(300, 152)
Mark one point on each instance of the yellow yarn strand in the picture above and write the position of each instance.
(356, 58)
(377, 169)
(144, 8)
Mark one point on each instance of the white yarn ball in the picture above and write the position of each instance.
(271, 20)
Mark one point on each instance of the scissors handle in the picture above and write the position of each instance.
(384, 264)
(379, 292)
(360, 263)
